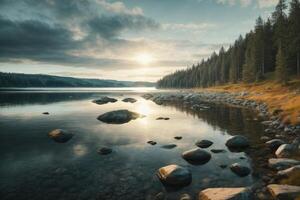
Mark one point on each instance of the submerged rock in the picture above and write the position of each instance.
(174, 175)
(274, 144)
(119, 116)
(178, 137)
(223, 166)
(225, 194)
(147, 96)
(204, 143)
(60, 135)
(129, 100)
(240, 170)
(104, 100)
(282, 163)
(237, 142)
(169, 146)
(284, 192)
(196, 156)
(218, 150)
(151, 142)
(162, 118)
(105, 150)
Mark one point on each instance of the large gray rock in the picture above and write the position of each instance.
(104, 100)
(274, 144)
(288, 151)
(282, 163)
(60, 135)
(237, 142)
(240, 170)
(129, 100)
(290, 172)
(225, 194)
(284, 192)
(196, 156)
(119, 116)
(174, 175)
(204, 143)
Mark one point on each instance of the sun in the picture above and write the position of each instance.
(144, 58)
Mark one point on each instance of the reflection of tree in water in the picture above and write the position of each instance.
(233, 120)
(13, 99)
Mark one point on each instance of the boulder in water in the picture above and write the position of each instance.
(240, 170)
(129, 100)
(60, 135)
(196, 156)
(151, 142)
(119, 116)
(104, 100)
(168, 146)
(204, 143)
(218, 150)
(105, 150)
(237, 143)
(174, 175)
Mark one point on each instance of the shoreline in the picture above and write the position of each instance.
(261, 154)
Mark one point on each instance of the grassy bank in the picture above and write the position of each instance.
(278, 97)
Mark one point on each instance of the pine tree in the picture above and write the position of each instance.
(259, 57)
(249, 69)
(269, 52)
(281, 67)
(280, 24)
(294, 36)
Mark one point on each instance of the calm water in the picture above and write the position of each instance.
(35, 167)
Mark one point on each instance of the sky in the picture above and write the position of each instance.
(135, 40)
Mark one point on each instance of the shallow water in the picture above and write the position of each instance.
(35, 167)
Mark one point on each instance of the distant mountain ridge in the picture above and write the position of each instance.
(42, 80)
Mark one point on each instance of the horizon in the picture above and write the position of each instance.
(120, 40)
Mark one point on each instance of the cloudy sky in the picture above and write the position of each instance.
(124, 40)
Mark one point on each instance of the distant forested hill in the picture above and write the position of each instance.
(40, 80)
(273, 47)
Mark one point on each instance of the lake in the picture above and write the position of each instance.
(33, 166)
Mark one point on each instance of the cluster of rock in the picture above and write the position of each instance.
(287, 163)
(105, 99)
(178, 176)
(198, 101)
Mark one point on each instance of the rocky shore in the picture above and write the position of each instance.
(199, 100)
(278, 157)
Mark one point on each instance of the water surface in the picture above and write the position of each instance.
(35, 167)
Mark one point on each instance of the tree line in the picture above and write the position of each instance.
(41, 80)
(272, 46)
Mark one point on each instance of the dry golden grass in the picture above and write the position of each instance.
(275, 95)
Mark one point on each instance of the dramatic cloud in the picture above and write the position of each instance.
(64, 33)
(112, 26)
(245, 3)
(105, 37)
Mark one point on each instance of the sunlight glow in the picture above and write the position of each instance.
(144, 58)
(143, 108)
